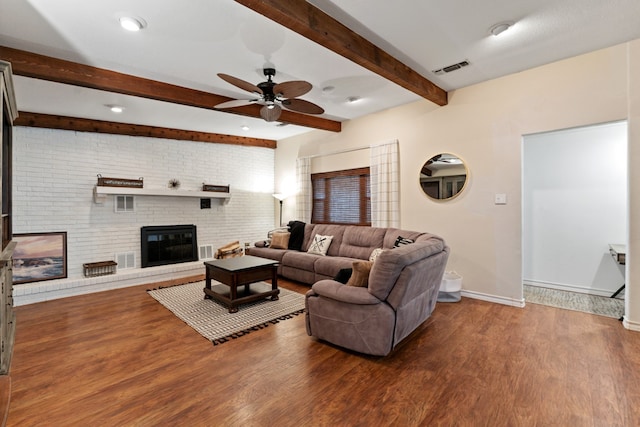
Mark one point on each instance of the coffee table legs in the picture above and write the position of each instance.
(274, 284)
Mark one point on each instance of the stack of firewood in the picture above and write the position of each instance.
(230, 250)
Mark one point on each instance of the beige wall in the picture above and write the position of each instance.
(484, 124)
(632, 309)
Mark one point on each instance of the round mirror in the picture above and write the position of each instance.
(443, 176)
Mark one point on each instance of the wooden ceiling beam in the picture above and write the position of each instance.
(42, 67)
(87, 125)
(312, 23)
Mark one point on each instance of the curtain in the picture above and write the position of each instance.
(303, 182)
(385, 185)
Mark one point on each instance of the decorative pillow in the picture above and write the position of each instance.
(400, 241)
(320, 245)
(360, 276)
(375, 253)
(343, 275)
(280, 240)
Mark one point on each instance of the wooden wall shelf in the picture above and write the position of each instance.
(100, 193)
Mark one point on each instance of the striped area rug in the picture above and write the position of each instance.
(603, 306)
(213, 321)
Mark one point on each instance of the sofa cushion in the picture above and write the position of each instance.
(357, 242)
(336, 231)
(300, 260)
(308, 235)
(269, 253)
(280, 240)
(320, 245)
(360, 275)
(330, 265)
(338, 292)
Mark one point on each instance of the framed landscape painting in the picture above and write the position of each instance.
(39, 256)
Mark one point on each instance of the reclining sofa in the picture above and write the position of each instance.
(398, 294)
(349, 243)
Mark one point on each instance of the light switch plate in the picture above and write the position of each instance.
(501, 199)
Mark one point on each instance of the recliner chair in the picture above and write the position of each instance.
(401, 294)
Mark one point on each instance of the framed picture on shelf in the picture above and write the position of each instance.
(39, 256)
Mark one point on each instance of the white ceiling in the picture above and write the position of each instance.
(186, 43)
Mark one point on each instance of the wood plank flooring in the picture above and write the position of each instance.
(119, 358)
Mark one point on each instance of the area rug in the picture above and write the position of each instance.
(213, 321)
(603, 306)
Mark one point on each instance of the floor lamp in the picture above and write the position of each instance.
(280, 198)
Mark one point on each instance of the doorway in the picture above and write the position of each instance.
(574, 205)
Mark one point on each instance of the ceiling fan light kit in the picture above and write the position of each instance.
(270, 113)
(273, 96)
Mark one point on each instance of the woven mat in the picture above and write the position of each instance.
(213, 321)
(603, 306)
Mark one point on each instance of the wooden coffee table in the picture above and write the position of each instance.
(245, 271)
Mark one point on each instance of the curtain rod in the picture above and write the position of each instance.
(348, 150)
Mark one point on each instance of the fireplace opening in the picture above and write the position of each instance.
(168, 244)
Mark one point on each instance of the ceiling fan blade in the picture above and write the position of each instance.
(270, 114)
(240, 83)
(292, 89)
(302, 106)
(235, 103)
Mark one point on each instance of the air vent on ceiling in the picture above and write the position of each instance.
(450, 68)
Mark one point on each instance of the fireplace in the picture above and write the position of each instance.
(168, 244)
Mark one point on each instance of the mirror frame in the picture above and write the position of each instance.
(460, 190)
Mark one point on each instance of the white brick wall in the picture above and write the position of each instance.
(54, 173)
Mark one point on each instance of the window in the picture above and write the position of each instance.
(341, 197)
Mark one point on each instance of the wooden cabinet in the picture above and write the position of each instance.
(7, 315)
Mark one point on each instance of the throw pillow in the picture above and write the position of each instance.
(320, 245)
(376, 252)
(280, 240)
(360, 276)
(343, 275)
(400, 241)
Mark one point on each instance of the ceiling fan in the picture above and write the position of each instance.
(273, 96)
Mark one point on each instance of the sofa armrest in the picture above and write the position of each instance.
(348, 294)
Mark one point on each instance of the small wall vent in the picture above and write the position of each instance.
(206, 252)
(450, 68)
(125, 260)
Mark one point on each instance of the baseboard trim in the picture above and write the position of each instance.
(30, 293)
(630, 325)
(493, 298)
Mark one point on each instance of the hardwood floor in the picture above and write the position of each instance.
(119, 358)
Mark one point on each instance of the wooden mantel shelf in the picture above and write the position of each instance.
(100, 193)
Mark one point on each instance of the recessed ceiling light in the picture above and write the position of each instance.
(352, 99)
(130, 23)
(245, 128)
(116, 108)
(500, 28)
(328, 89)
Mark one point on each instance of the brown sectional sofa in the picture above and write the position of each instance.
(350, 243)
(400, 295)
